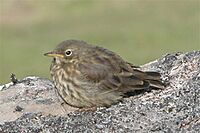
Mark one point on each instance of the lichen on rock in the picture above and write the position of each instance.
(32, 105)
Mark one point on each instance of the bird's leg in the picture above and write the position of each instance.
(91, 109)
(63, 106)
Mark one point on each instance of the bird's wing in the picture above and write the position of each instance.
(108, 80)
(94, 72)
(124, 82)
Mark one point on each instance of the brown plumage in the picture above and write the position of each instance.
(90, 76)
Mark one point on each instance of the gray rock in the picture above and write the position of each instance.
(174, 109)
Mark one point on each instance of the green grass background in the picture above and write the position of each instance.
(138, 30)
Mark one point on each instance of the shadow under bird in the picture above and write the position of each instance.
(88, 76)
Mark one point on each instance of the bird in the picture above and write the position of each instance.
(87, 76)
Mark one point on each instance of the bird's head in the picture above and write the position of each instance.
(69, 51)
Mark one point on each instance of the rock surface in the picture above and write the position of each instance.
(30, 95)
(33, 106)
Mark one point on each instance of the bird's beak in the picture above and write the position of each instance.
(54, 54)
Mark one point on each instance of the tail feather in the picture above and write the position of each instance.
(147, 75)
(154, 78)
(156, 84)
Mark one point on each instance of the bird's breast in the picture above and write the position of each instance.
(69, 86)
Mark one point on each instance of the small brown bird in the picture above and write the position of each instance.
(89, 76)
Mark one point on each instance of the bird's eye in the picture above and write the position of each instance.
(68, 52)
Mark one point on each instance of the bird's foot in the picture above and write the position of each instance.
(91, 109)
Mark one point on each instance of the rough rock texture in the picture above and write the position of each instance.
(174, 109)
(30, 95)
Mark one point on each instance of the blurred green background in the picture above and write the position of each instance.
(138, 30)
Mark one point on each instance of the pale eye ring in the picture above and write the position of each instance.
(68, 52)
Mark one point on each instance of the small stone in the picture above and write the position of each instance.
(18, 108)
(13, 79)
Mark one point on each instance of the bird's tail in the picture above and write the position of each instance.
(153, 78)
